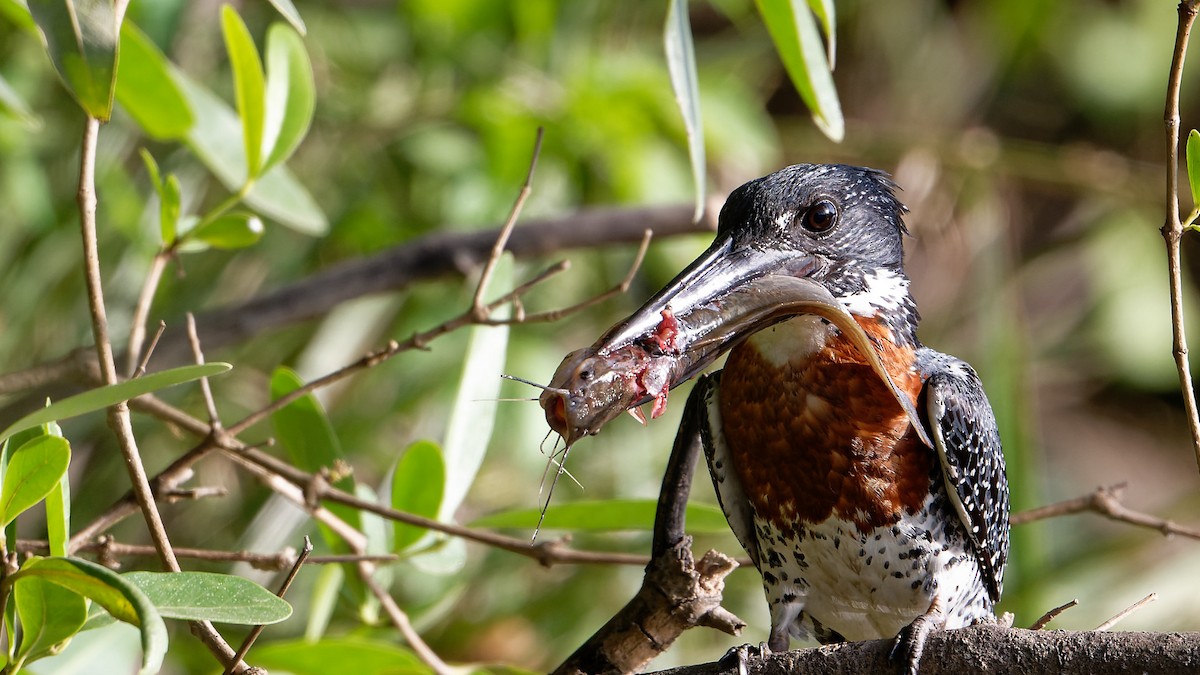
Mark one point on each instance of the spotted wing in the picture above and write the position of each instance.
(968, 445)
(730, 494)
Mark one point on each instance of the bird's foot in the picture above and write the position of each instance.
(910, 643)
(743, 654)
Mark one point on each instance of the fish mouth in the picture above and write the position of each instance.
(727, 294)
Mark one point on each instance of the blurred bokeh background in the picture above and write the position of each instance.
(1027, 136)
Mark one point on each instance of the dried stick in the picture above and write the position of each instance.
(1052, 615)
(118, 415)
(1172, 229)
(283, 589)
(1126, 612)
(1105, 501)
(400, 620)
(141, 312)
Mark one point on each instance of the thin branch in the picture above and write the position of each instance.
(1172, 229)
(556, 314)
(400, 620)
(118, 415)
(214, 419)
(141, 368)
(1053, 614)
(283, 589)
(1105, 501)
(1126, 612)
(485, 277)
(141, 312)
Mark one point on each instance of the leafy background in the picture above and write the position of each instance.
(1027, 137)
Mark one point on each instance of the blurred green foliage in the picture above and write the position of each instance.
(1027, 137)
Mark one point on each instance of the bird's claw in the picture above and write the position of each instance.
(742, 654)
(910, 644)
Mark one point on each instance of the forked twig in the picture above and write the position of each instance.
(283, 589)
(1106, 501)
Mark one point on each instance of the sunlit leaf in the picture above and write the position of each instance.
(214, 139)
(119, 597)
(417, 486)
(681, 63)
(230, 231)
(50, 614)
(14, 106)
(81, 37)
(291, 95)
(146, 89)
(103, 397)
(826, 14)
(205, 596)
(248, 85)
(794, 32)
(474, 414)
(1193, 165)
(289, 12)
(339, 655)
(607, 516)
(33, 470)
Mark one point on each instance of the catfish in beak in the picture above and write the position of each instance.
(726, 295)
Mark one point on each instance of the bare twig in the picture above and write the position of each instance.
(283, 589)
(485, 277)
(1052, 615)
(556, 314)
(1172, 229)
(1105, 501)
(118, 415)
(213, 418)
(1127, 611)
(141, 368)
(141, 311)
(400, 620)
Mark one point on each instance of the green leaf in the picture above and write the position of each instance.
(826, 14)
(1193, 165)
(213, 138)
(205, 596)
(289, 12)
(339, 655)
(474, 414)
(249, 88)
(681, 63)
(116, 595)
(33, 470)
(14, 106)
(417, 486)
(146, 89)
(291, 95)
(323, 600)
(50, 614)
(231, 231)
(103, 397)
(606, 516)
(58, 516)
(794, 32)
(81, 37)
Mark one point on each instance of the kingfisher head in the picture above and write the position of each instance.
(823, 240)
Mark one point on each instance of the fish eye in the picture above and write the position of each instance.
(820, 217)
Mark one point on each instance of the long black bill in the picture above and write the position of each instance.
(727, 294)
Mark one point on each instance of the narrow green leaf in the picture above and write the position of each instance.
(339, 655)
(249, 88)
(146, 89)
(607, 516)
(103, 397)
(14, 106)
(152, 169)
(1193, 165)
(322, 600)
(289, 12)
(827, 16)
(116, 595)
(81, 37)
(49, 614)
(213, 138)
(417, 486)
(32, 472)
(291, 95)
(231, 231)
(474, 414)
(205, 596)
(794, 32)
(169, 204)
(681, 63)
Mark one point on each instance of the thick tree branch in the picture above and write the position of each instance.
(991, 649)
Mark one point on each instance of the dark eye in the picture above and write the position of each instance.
(820, 217)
